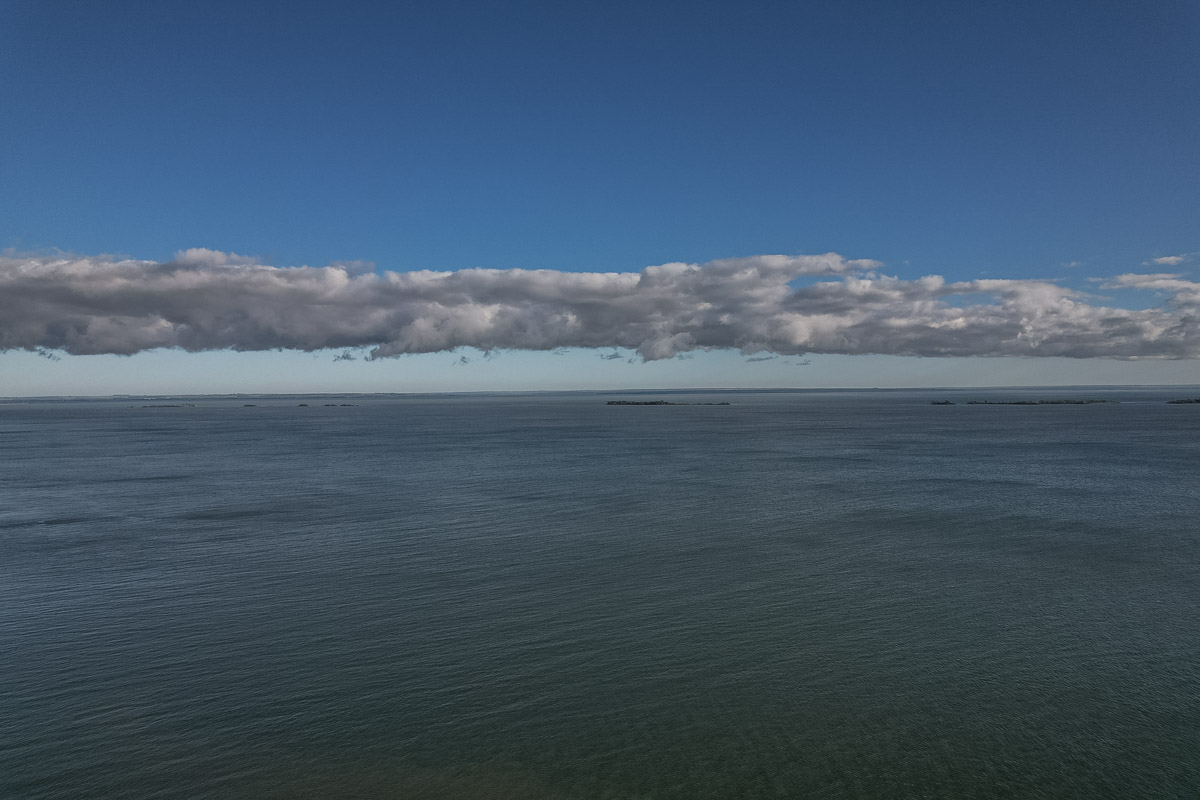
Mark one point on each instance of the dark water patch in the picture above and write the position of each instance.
(69, 520)
(154, 429)
(140, 479)
(220, 514)
(949, 483)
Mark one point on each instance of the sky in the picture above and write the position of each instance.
(462, 196)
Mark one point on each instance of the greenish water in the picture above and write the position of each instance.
(815, 594)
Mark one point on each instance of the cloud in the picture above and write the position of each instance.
(345, 356)
(203, 257)
(207, 300)
(355, 267)
(1182, 292)
(1167, 261)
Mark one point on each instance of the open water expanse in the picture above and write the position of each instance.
(802, 594)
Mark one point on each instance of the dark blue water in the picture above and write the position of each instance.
(819, 594)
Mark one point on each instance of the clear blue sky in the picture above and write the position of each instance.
(1050, 140)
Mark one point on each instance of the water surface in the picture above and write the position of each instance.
(803, 594)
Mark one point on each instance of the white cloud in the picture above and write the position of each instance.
(207, 300)
(1183, 292)
(1167, 261)
(203, 257)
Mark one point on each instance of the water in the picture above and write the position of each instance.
(813, 594)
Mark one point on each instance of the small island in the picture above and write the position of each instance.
(1184, 402)
(658, 403)
(1038, 402)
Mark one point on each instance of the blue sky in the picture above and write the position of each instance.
(1022, 141)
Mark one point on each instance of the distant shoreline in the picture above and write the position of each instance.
(1183, 388)
(660, 403)
(1032, 402)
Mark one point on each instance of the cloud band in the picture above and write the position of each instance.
(206, 300)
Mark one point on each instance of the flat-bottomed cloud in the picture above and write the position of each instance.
(207, 300)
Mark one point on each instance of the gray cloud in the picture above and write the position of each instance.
(207, 300)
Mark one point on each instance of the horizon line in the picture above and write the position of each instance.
(216, 395)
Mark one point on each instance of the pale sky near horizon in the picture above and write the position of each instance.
(1048, 146)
